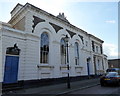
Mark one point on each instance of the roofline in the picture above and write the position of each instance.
(66, 22)
(16, 6)
(28, 4)
(56, 17)
(112, 59)
(5, 24)
(105, 55)
(17, 13)
(96, 37)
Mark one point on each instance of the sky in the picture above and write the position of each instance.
(97, 17)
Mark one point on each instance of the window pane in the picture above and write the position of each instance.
(63, 51)
(44, 48)
(44, 39)
(93, 46)
(76, 53)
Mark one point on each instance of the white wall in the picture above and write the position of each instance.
(9, 38)
(30, 54)
(29, 43)
(31, 59)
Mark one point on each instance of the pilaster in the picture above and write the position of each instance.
(29, 22)
(1, 54)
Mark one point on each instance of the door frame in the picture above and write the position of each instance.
(13, 54)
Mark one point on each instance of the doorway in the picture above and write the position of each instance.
(11, 65)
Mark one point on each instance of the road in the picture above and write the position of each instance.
(98, 90)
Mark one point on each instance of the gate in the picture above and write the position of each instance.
(11, 65)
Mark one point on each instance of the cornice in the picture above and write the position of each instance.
(5, 24)
(16, 6)
(60, 20)
(30, 6)
(18, 14)
(90, 35)
(19, 33)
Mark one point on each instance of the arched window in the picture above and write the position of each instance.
(76, 53)
(44, 48)
(63, 51)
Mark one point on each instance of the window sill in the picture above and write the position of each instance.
(64, 66)
(78, 66)
(45, 66)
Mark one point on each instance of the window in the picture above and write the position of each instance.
(95, 68)
(99, 63)
(93, 46)
(112, 74)
(63, 51)
(44, 48)
(101, 49)
(96, 48)
(76, 53)
(86, 43)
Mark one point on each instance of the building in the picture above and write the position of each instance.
(114, 63)
(34, 48)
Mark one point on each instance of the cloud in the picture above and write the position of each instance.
(110, 21)
(111, 50)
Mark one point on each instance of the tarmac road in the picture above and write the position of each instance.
(98, 90)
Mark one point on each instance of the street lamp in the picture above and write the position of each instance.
(68, 78)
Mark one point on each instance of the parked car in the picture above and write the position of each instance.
(110, 78)
(113, 70)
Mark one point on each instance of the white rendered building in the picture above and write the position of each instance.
(39, 36)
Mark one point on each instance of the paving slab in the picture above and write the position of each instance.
(58, 89)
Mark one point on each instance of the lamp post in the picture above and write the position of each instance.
(68, 78)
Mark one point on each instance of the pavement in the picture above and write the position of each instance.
(58, 89)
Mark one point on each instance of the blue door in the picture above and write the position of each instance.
(88, 69)
(11, 69)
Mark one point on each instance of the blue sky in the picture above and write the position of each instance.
(97, 18)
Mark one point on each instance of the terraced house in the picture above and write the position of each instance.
(34, 48)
